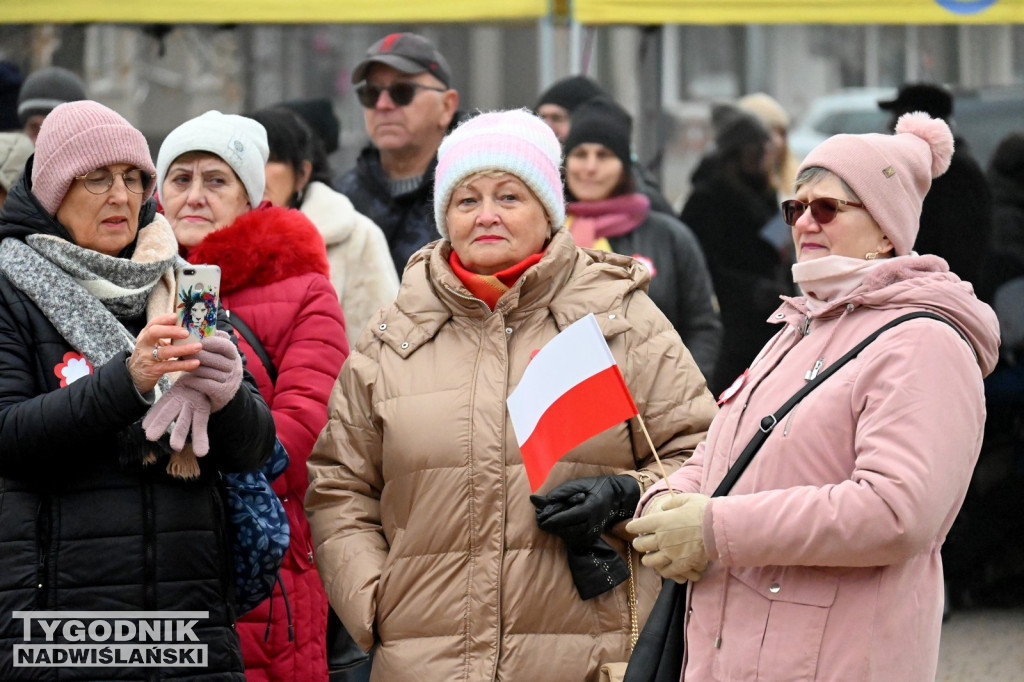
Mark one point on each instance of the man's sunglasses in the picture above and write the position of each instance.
(823, 209)
(401, 93)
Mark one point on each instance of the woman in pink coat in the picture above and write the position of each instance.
(823, 562)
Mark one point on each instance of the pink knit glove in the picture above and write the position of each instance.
(219, 373)
(188, 410)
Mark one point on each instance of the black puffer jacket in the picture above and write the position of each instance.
(407, 220)
(680, 283)
(79, 531)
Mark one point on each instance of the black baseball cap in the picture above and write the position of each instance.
(409, 53)
(934, 100)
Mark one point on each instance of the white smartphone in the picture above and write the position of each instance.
(197, 300)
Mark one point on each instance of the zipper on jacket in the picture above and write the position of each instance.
(805, 328)
(464, 297)
(44, 541)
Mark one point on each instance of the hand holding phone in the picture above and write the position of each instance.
(197, 299)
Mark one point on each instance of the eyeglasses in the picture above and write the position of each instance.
(823, 210)
(401, 93)
(101, 180)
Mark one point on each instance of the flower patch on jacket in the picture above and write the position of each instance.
(73, 367)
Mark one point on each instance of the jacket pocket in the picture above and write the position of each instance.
(774, 622)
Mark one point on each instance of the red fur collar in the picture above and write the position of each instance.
(261, 247)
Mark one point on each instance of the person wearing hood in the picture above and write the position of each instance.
(606, 212)
(426, 534)
(91, 516)
(823, 562)
(357, 252)
(274, 278)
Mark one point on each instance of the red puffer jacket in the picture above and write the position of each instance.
(274, 275)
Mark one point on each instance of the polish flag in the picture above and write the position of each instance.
(571, 390)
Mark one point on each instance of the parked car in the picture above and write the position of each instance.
(982, 116)
(850, 110)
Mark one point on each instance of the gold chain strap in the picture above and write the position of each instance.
(634, 626)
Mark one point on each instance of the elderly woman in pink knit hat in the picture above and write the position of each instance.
(427, 537)
(822, 562)
(90, 517)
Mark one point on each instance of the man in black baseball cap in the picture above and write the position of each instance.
(409, 53)
(405, 86)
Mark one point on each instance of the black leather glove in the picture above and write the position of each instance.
(579, 511)
(596, 569)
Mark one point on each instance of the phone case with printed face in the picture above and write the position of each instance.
(197, 297)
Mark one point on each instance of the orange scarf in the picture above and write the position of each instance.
(489, 288)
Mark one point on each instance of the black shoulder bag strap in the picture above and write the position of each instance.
(768, 423)
(658, 654)
(247, 333)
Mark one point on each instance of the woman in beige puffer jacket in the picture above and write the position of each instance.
(425, 535)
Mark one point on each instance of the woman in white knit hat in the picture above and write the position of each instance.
(274, 278)
(823, 562)
(426, 534)
(90, 517)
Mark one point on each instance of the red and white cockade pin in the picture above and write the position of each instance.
(74, 367)
(647, 262)
(728, 393)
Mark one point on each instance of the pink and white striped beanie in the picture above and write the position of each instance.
(516, 142)
(79, 137)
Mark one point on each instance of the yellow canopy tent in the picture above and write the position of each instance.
(652, 12)
(269, 11)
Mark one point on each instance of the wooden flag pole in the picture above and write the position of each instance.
(643, 427)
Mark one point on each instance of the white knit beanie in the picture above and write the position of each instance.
(241, 142)
(516, 142)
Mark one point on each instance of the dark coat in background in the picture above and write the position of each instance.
(956, 219)
(407, 220)
(680, 282)
(748, 273)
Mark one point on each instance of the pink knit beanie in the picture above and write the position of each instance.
(78, 137)
(890, 174)
(516, 142)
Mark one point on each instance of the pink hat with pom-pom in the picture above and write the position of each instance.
(890, 174)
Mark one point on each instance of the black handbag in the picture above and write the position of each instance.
(345, 660)
(659, 651)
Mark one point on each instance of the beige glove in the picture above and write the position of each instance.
(671, 537)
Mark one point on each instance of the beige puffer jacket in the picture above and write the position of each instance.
(419, 503)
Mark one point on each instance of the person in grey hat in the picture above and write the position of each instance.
(405, 86)
(42, 91)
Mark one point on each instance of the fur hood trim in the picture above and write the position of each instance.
(263, 246)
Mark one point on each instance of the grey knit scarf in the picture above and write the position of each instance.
(82, 292)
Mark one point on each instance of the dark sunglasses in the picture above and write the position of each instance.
(823, 209)
(401, 93)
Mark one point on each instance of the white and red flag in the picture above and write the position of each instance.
(571, 390)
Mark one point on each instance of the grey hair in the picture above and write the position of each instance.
(815, 174)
